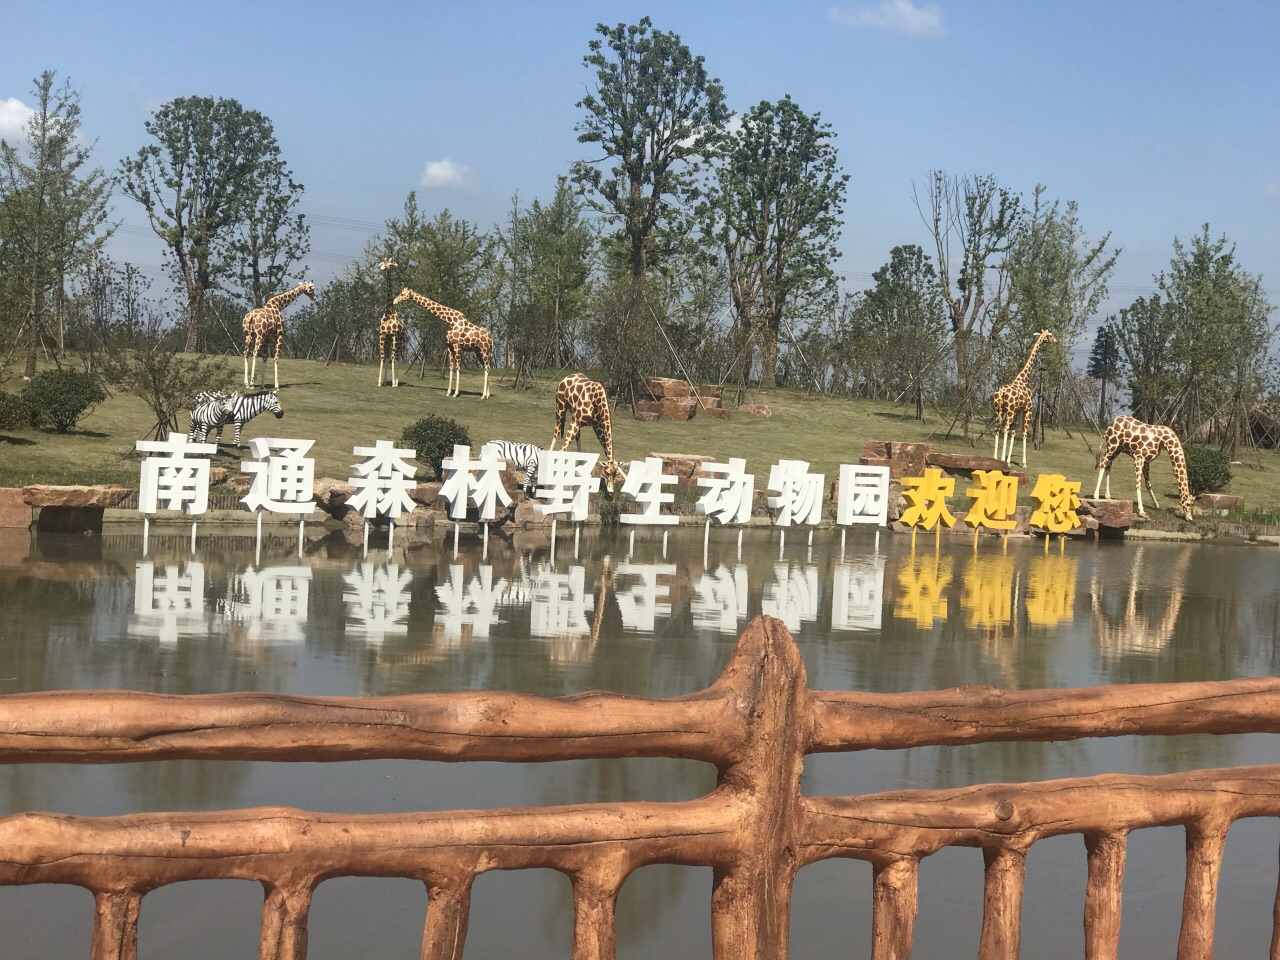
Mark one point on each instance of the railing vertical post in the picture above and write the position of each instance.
(448, 912)
(284, 920)
(896, 898)
(115, 925)
(595, 898)
(1205, 843)
(1006, 874)
(751, 899)
(1275, 925)
(1103, 895)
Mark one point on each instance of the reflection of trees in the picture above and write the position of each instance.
(185, 784)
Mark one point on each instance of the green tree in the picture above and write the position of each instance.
(54, 208)
(1144, 330)
(272, 239)
(204, 178)
(776, 212)
(1104, 364)
(657, 117)
(972, 220)
(549, 251)
(904, 312)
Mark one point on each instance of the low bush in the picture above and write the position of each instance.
(1208, 470)
(59, 399)
(433, 438)
(14, 412)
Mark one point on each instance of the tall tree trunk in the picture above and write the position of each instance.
(768, 360)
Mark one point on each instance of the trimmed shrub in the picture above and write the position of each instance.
(1208, 470)
(14, 412)
(432, 439)
(59, 399)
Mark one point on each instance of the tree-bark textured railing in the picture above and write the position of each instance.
(756, 830)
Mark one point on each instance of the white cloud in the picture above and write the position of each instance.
(444, 173)
(896, 16)
(13, 119)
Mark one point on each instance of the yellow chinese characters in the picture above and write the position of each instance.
(1056, 499)
(994, 499)
(927, 497)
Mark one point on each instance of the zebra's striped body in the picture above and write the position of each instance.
(523, 455)
(213, 410)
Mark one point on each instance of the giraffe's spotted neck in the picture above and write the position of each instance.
(447, 314)
(281, 300)
(1025, 373)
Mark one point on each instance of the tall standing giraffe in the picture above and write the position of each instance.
(579, 402)
(1013, 398)
(462, 335)
(1143, 442)
(265, 320)
(389, 327)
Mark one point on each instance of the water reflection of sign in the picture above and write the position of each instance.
(168, 601)
(864, 495)
(559, 603)
(1051, 590)
(467, 607)
(988, 590)
(857, 595)
(273, 603)
(922, 587)
(793, 595)
(720, 599)
(377, 601)
(640, 602)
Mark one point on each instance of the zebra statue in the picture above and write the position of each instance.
(523, 455)
(212, 410)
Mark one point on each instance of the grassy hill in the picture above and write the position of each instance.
(340, 407)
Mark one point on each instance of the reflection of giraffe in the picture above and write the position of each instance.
(462, 335)
(1143, 442)
(267, 320)
(1134, 632)
(1013, 398)
(579, 402)
(390, 326)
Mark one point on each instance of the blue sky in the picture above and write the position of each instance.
(1156, 118)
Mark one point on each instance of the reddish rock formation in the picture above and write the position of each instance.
(756, 410)
(14, 511)
(100, 495)
(1109, 514)
(1219, 503)
(683, 466)
(661, 388)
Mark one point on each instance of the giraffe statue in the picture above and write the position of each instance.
(389, 327)
(579, 402)
(1013, 398)
(462, 335)
(1143, 442)
(262, 322)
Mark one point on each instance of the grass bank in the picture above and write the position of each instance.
(341, 407)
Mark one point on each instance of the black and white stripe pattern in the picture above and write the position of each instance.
(523, 455)
(213, 410)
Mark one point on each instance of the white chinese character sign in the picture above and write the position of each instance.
(799, 496)
(483, 490)
(565, 483)
(728, 492)
(864, 495)
(173, 480)
(282, 477)
(644, 484)
(382, 480)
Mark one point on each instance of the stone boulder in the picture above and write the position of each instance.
(218, 475)
(756, 410)
(963, 464)
(683, 466)
(14, 511)
(99, 495)
(647, 416)
(662, 388)
(902, 459)
(719, 413)
(1109, 514)
(1219, 504)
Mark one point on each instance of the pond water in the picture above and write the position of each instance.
(653, 621)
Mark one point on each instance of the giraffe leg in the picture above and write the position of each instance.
(1146, 477)
(555, 434)
(381, 361)
(571, 431)
(485, 393)
(395, 382)
(246, 361)
(279, 342)
(1097, 487)
(253, 365)
(1138, 467)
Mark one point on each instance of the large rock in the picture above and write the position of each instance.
(683, 466)
(711, 391)
(648, 416)
(99, 495)
(677, 408)
(527, 517)
(718, 413)
(756, 410)
(913, 456)
(661, 388)
(1219, 503)
(965, 463)
(1109, 514)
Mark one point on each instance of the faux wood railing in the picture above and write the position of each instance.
(755, 829)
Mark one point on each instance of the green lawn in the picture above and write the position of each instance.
(340, 407)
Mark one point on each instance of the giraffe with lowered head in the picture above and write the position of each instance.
(390, 327)
(462, 335)
(1143, 442)
(267, 320)
(1014, 398)
(579, 402)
